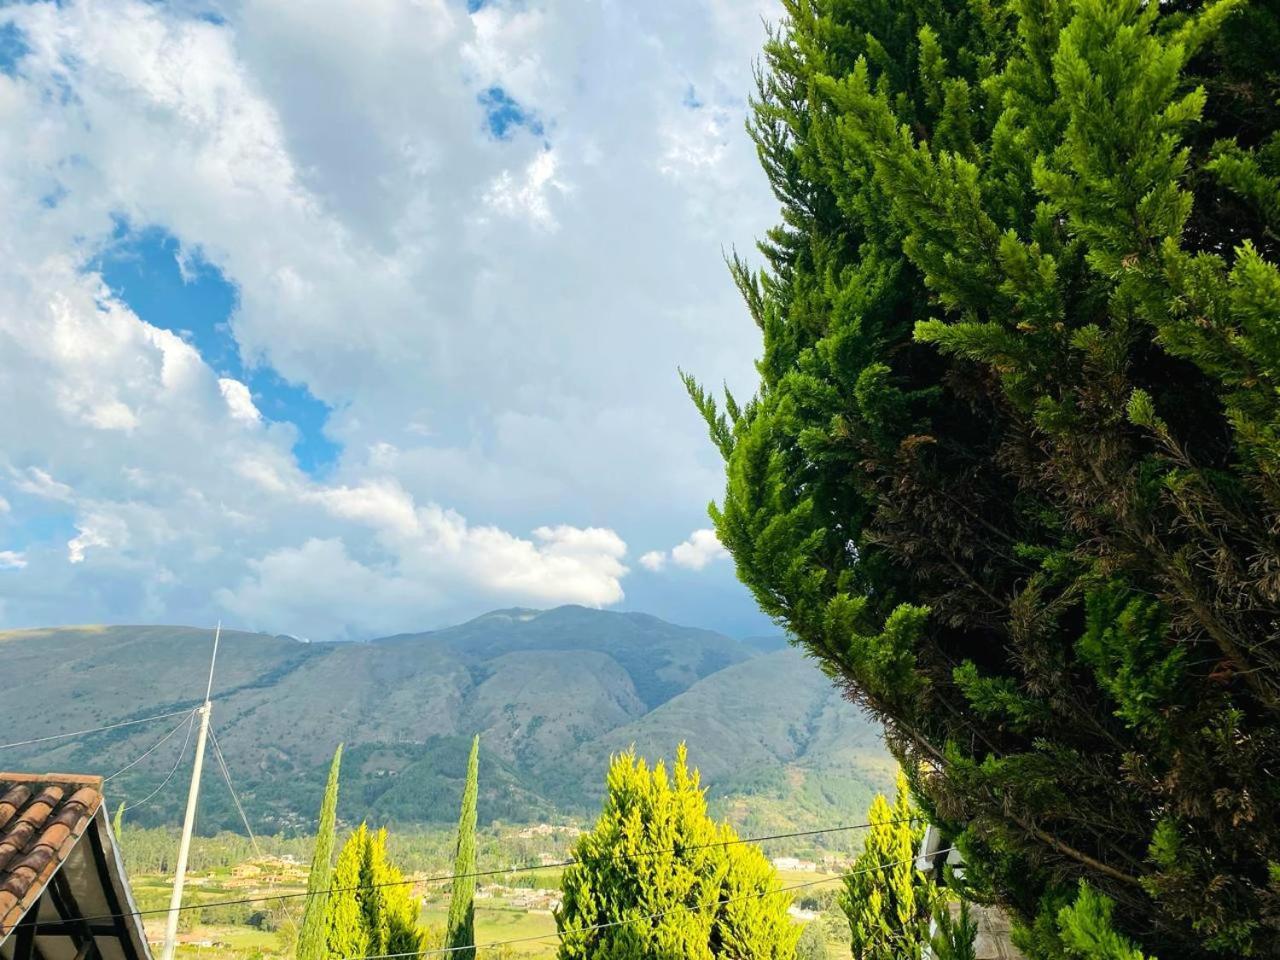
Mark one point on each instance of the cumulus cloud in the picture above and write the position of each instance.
(479, 313)
(654, 560)
(696, 553)
(239, 401)
(12, 560)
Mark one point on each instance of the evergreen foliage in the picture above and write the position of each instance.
(461, 930)
(954, 936)
(346, 921)
(659, 871)
(887, 901)
(1012, 472)
(312, 935)
(371, 910)
(117, 822)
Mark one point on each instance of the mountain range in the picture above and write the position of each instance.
(552, 695)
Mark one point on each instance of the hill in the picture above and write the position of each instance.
(552, 694)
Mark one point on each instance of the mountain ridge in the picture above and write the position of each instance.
(552, 693)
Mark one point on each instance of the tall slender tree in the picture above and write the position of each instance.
(461, 932)
(312, 935)
(117, 822)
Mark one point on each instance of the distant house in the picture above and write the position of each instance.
(992, 941)
(63, 892)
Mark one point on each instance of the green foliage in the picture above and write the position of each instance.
(461, 931)
(1087, 933)
(812, 944)
(955, 933)
(313, 934)
(1012, 471)
(371, 911)
(887, 901)
(346, 923)
(117, 822)
(657, 878)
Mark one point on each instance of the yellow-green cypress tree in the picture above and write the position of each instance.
(461, 935)
(887, 901)
(347, 932)
(312, 935)
(667, 879)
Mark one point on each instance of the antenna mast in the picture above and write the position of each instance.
(193, 795)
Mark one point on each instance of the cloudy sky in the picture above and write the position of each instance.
(340, 319)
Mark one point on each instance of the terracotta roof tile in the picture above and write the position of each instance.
(41, 819)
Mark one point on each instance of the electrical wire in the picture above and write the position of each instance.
(82, 733)
(591, 928)
(174, 769)
(498, 872)
(159, 743)
(226, 775)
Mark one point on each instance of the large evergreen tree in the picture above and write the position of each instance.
(1012, 472)
(887, 901)
(312, 935)
(660, 879)
(460, 934)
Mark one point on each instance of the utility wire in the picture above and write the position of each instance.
(82, 733)
(500, 871)
(591, 928)
(226, 775)
(172, 770)
(159, 743)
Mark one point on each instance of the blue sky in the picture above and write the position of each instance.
(341, 326)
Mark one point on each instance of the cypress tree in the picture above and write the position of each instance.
(1011, 469)
(694, 894)
(461, 932)
(117, 822)
(887, 901)
(312, 935)
(348, 931)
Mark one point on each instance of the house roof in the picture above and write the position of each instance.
(42, 817)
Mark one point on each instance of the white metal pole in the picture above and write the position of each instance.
(188, 824)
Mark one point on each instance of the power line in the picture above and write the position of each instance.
(592, 928)
(137, 760)
(174, 769)
(83, 733)
(527, 868)
(226, 775)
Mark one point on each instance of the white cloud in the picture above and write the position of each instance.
(239, 400)
(496, 324)
(700, 549)
(654, 560)
(696, 553)
(39, 483)
(12, 560)
(530, 193)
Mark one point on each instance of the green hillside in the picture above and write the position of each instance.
(552, 694)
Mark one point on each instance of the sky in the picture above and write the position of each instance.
(343, 319)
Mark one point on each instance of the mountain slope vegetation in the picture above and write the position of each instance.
(552, 694)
